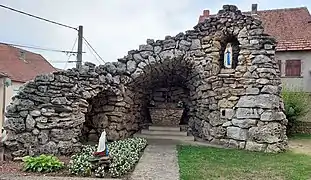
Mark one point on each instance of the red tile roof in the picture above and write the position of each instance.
(291, 27)
(22, 68)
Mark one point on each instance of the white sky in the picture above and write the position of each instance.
(113, 27)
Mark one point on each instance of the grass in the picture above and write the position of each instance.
(203, 163)
(300, 136)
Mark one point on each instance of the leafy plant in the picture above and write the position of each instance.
(124, 153)
(296, 104)
(79, 163)
(42, 163)
(100, 172)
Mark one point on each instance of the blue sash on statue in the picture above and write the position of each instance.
(106, 151)
(228, 58)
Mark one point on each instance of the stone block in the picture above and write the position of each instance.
(30, 123)
(227, 113)
(269, 89)
(253, 146)
(268, 101)
(196, 44)
(244, 123)
(252, 91)
(272, 116)
(269, 133)
(237, 133)
(247, 113)
(226, 124)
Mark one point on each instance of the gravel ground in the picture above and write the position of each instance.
(158, 162)
(14, 177)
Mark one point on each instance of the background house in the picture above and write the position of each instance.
(292, 29)
(18, 66)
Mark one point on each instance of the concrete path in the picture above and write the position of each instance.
(158, 162)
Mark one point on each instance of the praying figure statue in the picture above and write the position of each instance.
(228, 56)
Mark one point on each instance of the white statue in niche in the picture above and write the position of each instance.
(228, 56)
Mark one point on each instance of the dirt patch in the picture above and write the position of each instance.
(16, 168)
(300, 146)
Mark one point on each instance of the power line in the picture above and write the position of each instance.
(40, 48)
(43, 19)
(63, 61)
(74, 44)
(93, 49)
(89, 48)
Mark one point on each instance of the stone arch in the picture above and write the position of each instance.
(239, 107)
(165, 83)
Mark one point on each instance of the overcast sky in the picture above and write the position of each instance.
(113, 27)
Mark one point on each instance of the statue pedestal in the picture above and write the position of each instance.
(166, 116)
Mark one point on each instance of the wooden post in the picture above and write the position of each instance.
(2, 121)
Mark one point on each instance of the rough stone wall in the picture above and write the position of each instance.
(168, 97)
(239, 107)
(172, 94)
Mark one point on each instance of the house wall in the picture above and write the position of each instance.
(9, 93)
(303, 82)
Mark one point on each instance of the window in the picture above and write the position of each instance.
(280, 66)
(293, 68)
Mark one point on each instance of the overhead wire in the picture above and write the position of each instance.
(41, 18)
(93, 49)
(89, 48)
(39, 48)
(54, 22)
(74, 44)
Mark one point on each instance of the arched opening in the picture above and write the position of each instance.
(229, 51)
(107, 111)
(164, 94)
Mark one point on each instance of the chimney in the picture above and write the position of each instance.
(254, 9)
(206, 13)
(204, 16)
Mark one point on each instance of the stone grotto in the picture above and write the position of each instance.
(220, 80)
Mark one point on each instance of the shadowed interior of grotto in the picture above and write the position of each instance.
(165, 94)
(100, 111)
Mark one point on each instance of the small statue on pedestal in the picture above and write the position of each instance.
(101, 157)
(102, 149)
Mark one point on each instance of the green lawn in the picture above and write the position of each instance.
(205, 163)
(300, 136)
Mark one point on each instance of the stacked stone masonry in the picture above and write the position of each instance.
(239, 107)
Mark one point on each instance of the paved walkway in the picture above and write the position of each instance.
(158, 162)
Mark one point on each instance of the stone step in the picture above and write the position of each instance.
(163, 133)
(164, 128)
(166, 137)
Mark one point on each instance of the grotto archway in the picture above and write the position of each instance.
(164, 92)
(235, 106)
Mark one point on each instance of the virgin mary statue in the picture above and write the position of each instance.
(102, 146)
(228, 56)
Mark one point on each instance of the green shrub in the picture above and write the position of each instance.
(42, 163)
(296, 104)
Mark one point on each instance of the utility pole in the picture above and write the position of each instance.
(79, 54)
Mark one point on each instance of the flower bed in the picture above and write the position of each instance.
(124, 153)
